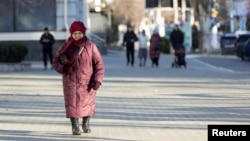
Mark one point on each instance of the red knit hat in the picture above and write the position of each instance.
(77, 26)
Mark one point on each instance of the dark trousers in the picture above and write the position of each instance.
(47, 52)
(130, 55)
(155, 61)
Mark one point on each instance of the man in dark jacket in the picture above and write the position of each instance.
(177, 41)
(177, 38)
(128, 40)
(47, 40)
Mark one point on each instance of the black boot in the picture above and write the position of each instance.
(85, 125)
(75, 126)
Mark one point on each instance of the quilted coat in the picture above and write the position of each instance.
(79, 96)
(155, 46)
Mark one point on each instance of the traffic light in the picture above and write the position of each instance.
(214, 13)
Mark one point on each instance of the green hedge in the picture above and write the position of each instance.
(165, 46)
(12, 51)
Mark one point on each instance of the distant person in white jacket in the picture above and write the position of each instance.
(143, 48)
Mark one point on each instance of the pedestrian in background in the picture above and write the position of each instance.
(143, 48)
(195, 38)
(129, 40)
(177, 38)
(177, 41)
(47, 40)
(82, 68)
(155, 48)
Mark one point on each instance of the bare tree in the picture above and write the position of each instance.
(129, 11)
(202, 10)
(222, 8)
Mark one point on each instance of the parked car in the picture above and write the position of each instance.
(239, 45)
(227, 43)
(247, 50)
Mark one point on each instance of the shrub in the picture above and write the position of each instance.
(12, 51)
(165, 46)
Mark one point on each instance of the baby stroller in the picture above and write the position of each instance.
(179, 59)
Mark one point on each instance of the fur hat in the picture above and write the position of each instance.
(77, 26)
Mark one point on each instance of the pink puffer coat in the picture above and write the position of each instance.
(80, 98)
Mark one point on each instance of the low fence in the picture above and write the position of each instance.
(35, 48)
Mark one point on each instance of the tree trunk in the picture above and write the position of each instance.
(205, 25)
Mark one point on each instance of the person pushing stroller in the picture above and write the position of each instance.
(177, 41)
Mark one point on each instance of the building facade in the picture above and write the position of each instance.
(24, 20)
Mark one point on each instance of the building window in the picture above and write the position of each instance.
(27, 15)
(164, 3)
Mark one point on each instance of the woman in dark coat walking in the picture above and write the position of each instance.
(155, 48)
(82, 69)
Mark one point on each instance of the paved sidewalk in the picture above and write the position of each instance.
(133, 104)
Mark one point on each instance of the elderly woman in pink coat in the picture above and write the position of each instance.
(82, 68)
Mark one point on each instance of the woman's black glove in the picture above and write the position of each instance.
(96, 85)
(64, 59)
(67, 68)
(70, 55)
